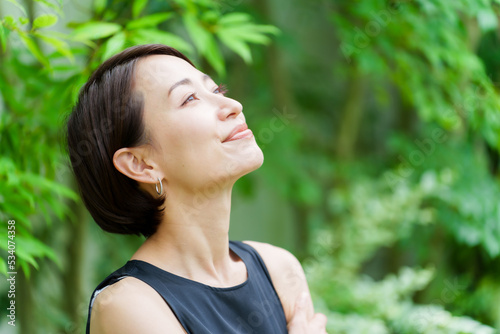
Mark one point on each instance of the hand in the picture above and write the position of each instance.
(300, 324)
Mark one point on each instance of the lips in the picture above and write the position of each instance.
(239, 132)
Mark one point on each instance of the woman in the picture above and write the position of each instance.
(156, 148)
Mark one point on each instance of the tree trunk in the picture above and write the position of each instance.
(72, 280)
(25, 310)
(351, 117)
(283, 98)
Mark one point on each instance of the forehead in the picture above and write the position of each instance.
(162, 71)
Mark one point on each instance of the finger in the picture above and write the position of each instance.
(318, 323)
(299, 314)
(301, 302)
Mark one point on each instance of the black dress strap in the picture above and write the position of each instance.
(250, 307)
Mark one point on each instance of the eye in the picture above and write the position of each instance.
(190, 98)
(221, 89)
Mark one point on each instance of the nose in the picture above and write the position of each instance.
(229, 108)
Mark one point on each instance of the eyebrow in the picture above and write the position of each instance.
(186, 81)
(179, 83)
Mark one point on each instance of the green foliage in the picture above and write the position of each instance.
(370, 215)
(466, 207)
(31, 164)
(435, 68)
(137, 7)
(203, 22)
(44, 20)
(427, 198)
(95, 30)
(403, 234)
(235, 30)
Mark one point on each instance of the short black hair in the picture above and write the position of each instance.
(108, 115)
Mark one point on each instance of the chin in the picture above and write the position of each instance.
(257, 160)
(251, 159)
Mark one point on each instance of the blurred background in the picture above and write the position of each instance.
(380, 126)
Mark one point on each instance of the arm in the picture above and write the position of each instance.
(291, 286)
(131, 306)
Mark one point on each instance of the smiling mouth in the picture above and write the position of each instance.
(240, 132)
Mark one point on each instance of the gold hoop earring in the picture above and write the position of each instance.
(161, 188)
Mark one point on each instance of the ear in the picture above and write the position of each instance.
(130, 162)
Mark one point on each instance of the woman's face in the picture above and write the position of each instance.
(197, 135)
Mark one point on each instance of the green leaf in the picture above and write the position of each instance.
(248, 33)
(15, 212)
(491, 241)
(147, 36)
(95, 30)
(49, 185)
(10, 23)
(45, 20)
(148, 21)
(235, 18)
(21, 8)
(3, 37)
(238, 46)
(69, 37)
(100, 5)
(50, 5)
(205, 43)
(34, 49)
(25, 267)
(214, 57)
(114, 45)
(57, 207)
(27, 196)
(29, 248)
(209, 17)
(200, 37)
(61, 46)
(25, 257)
(268, 29)
(235, 30)
(137, 7)
(3, 266)
(23, 20)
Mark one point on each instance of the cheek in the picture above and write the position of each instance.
(185, 138)
(192, 129)
(190, 150)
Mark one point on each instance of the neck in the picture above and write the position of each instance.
(192, 238)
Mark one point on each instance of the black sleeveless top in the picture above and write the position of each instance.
(250, 307)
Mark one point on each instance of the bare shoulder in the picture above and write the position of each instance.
(132, 306)
(276, 258)
(286, 274)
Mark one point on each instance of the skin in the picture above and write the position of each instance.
(186, 125)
